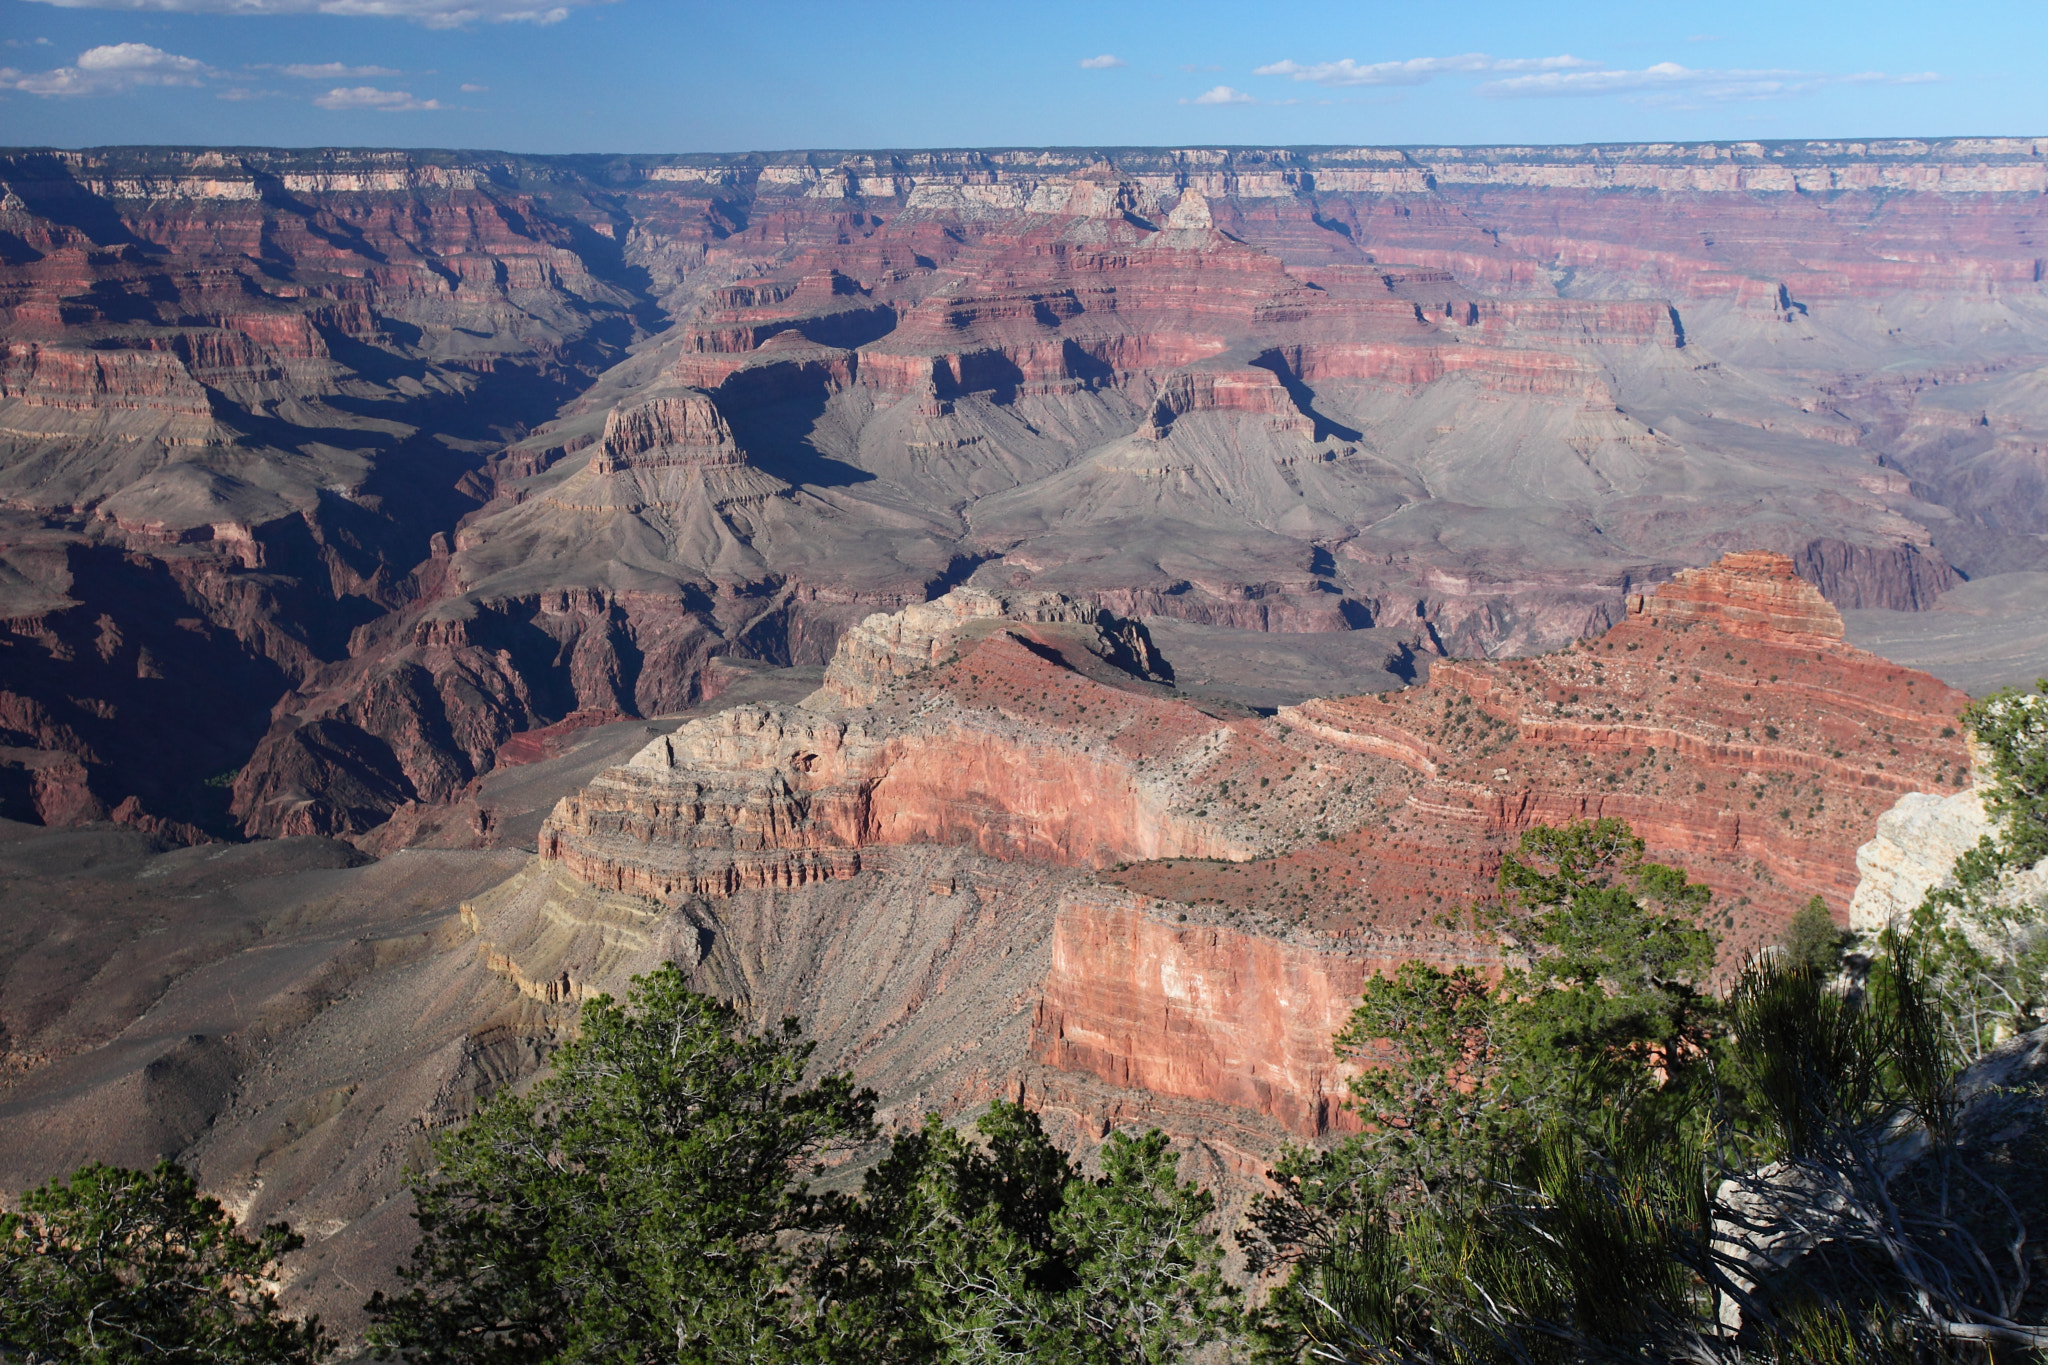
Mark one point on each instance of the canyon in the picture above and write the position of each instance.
(1055, 622)
(392, 457)
(989, 851)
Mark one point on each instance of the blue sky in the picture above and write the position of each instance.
(676, 75)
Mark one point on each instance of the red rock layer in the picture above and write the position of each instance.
(1249, 873)
(187, 334)
(767, 796)
(1755, 596)
(1145, 1000)
(1756, 758)
(1753, 754)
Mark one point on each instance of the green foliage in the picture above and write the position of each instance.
(1812, 939)
(1593, 1160)
(112, 1266)
(1608, 1008)
(2012, 728)
(939, 1217)
(1840, 1215)
(1986, 947)
(644, 1202)
(1812, 1061)
(1585, 1251)
(1002, 1251)
(1147, 1285)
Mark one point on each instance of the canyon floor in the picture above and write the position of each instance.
(1053, 621)
(1979, 636)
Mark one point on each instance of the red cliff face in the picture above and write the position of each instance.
(368, 417)
(1143, 997)
(1728, 725)
(773, 796)
(1249, 874)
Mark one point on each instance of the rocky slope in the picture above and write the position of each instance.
(327, 473)
(991, 850)
(1249, 873)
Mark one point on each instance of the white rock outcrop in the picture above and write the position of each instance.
(888, 646)
(1918, 841)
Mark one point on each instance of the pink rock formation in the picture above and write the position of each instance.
(1249, 874)
(1204, 1011)
(367, 418)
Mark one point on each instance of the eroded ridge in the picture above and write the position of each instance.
(1245, 875)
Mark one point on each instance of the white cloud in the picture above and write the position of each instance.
(1663, 76)
(109, 70)
(1565, 76)
(1415, 70)
(1105, 62)
(1667, 79)
(329, 71)
(432, 13)
(469, 89)
(131, 57)
(1221, 94)
(370, 97)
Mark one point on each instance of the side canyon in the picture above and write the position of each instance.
(325, 474)
(1055, 622)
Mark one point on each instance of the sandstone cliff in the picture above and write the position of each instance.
(411, 453)
(1248, 873)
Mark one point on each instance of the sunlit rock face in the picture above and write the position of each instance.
(1240, 876)
(325, 474)
(1914, 851)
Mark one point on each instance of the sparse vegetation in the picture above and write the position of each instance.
(1588, 1157)
(112, 1266)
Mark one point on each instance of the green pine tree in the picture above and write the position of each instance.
(647, 1201)
(112, 1266)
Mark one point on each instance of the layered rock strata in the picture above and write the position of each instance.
(376, 427)
(1247, 874)
(1727, 723)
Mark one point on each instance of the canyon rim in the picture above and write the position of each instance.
(1055, 621)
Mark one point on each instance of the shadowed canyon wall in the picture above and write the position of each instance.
(324, 474)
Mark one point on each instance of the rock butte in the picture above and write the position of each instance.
(942, 862)
(325, 474)
(1249, 873)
